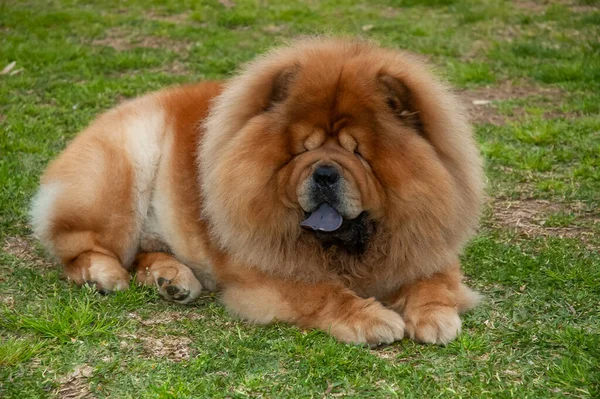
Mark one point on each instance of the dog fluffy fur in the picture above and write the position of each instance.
(204, 187)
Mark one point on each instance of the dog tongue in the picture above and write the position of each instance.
(325, 218)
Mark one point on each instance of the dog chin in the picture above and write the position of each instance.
(353, 236)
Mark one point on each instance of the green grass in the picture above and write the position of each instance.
(536, 335)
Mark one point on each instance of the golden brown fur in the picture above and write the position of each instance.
(223, 195)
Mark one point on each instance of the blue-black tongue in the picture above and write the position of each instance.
(325, 218)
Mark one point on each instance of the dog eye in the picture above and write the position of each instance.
(297, 152)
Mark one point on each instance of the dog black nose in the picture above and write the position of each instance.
(326, 175)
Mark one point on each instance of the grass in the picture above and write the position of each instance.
(536, 258)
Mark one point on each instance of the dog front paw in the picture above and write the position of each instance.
(432, 324)
(373, 325)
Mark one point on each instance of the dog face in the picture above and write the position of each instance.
(333, 139)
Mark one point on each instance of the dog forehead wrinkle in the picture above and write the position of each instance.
(333, 105)
(332, 91)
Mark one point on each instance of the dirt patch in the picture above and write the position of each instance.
(509, 90)
(484, 111)
(23, 248)
(123, 41)
(8, 301)
(75, 384)
(481, 106)
(529, 218)
(174, 348)
(533, 6)
(576, 5)
(165, 318)
(584, 9)
(542, 5)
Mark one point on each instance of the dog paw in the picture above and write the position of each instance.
(175, 283)
(373, 325)
(433, 324)
(174, 291)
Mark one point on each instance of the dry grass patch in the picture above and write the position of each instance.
(170, 347)
(75, 384)
(481, 102)
(540, 6)
(23, 248)
(7, 301)
(174, 348)
(530, 218)
(532, 6)
(166, 318)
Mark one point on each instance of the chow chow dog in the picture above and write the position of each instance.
(331, 184)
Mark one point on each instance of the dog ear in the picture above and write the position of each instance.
(400, 101)
(280, 86)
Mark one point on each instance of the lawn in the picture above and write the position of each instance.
(529, 72)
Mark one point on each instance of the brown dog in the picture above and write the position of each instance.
(332, 184)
